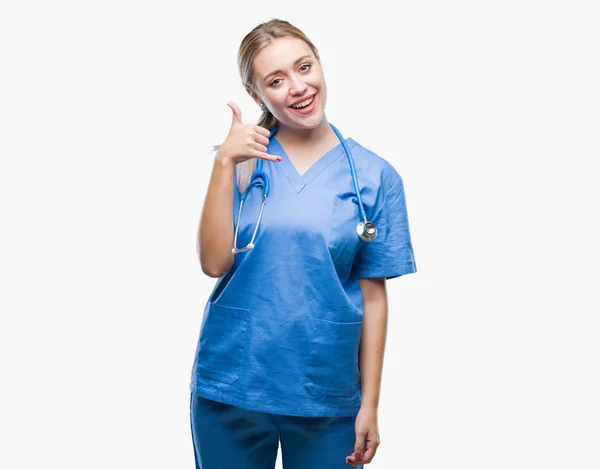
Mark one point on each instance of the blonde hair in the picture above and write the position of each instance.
(260, 37)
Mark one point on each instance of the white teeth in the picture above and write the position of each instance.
(308, 102)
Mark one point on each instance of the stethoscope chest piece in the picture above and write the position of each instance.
(366, 231)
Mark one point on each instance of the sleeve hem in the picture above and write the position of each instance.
(388, 274)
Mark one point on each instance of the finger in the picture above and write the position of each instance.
(359, 444)
(262, 131)
(236, 117)
(259, 147)
(266, 156)
(261, 139)
(356, 459)
(369, 453)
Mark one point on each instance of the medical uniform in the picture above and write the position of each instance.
(281, 330)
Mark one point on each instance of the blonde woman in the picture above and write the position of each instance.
(292, 339)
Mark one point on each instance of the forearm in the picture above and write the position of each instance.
(215, 233)
(372, 348)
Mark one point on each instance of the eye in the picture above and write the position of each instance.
(276, 82)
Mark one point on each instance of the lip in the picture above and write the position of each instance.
(308, 110)
(303, 99)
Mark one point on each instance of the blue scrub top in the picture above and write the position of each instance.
(281, 330)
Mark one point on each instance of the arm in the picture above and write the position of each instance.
(215, 233)
(372, 345)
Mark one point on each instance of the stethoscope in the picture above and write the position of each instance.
(365, 229)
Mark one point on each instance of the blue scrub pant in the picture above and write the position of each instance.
(229, 437)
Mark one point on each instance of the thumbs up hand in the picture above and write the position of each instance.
(245, 141)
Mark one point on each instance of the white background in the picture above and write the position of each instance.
(489, 111)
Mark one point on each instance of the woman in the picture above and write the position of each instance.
(292, 338)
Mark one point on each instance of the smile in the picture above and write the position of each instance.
(304, 103)
(306, 106)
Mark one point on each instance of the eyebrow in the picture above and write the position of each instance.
(295, 63)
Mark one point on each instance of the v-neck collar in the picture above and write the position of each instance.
(292, 174)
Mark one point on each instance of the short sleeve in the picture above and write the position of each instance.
(390, 254)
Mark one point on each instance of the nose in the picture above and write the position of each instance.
(297, 86)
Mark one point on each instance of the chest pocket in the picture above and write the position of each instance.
(342, 240)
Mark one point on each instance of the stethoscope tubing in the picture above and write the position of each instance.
(260, 174)
(365, 229)
(363, 214)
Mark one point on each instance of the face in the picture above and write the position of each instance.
(287, 77)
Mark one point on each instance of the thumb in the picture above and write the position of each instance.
(236, 118)
(359, 445)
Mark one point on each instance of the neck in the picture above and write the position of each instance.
(292, 136)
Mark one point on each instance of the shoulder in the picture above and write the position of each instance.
(374, 169)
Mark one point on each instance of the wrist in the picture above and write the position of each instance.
(367, 403)
(223, 160)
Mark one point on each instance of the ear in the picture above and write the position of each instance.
(254, 95)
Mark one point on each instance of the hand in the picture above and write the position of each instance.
(367, 437)
(245, 141)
